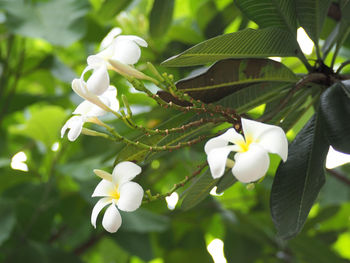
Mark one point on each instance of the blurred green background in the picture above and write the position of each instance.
(46, 182)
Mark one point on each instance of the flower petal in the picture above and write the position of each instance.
(98, 81)
(103, 174)
(111, 220)
(272, 138)
(126, 51)
(98, 207)
(109, 97)
(104, 188)
(89, 109)
(75, 125)
(140, 41)
(124, 172)
(110, 37)
(229, 136)
(251, 165)
(217, 160)
(131, 195)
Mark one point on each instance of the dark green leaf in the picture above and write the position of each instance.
(231, 75)
(268, 42)
(311, 16)
(298, 181)
(253, 96)
(335, 109)
(271, 13)
(160, 17)
(198, 190)
(59, 22)
(226, 181)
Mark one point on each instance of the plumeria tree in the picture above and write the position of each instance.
(214, 109)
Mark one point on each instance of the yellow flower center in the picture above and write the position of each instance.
(115, 193)
(244, 145)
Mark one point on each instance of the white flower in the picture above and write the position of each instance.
(87, 110)
(117, 190)
(123, 48)
(251, 158)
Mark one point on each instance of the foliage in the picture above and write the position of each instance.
(217, 55)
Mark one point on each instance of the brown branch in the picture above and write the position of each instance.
(339, 176)
(88, 244)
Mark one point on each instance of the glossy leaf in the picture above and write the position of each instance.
(271, 13)
(40, 20)
(335, 109)
(231, 75)
(311, 16)
(261, 43)
(198, 190)
(298, 181)
(160, 17)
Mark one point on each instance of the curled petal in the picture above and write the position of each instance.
(217, 160)
(111, 220)
(110, 37)
(275, 141)
(126, 51)
(124, 172)
(229, 136)
(97, 209)
(98, 81)
(104, 188)
(75, 125)
(131, 195)
(140, 41)
(251, 165)
(89, 109)
(103, 174)
(272, 138)
(109, 97)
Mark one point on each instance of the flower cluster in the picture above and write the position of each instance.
(120, 53)
(99, 95)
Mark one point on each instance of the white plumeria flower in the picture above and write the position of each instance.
(251, 158)
(123, 48)
(118, 192)
(87, 110)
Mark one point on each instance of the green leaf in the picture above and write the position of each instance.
(335, 109)
(59, 22)
(198, 190)
(44, 125)
(160, 17)
(7, 219)
(271, 13)
(226, 181)
(110, 8)
(261, 43)
(253, 96)
(311, 16)
(231, 75)
(298, 181)
(143, 221)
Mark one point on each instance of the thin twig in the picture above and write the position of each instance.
(339, 176)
